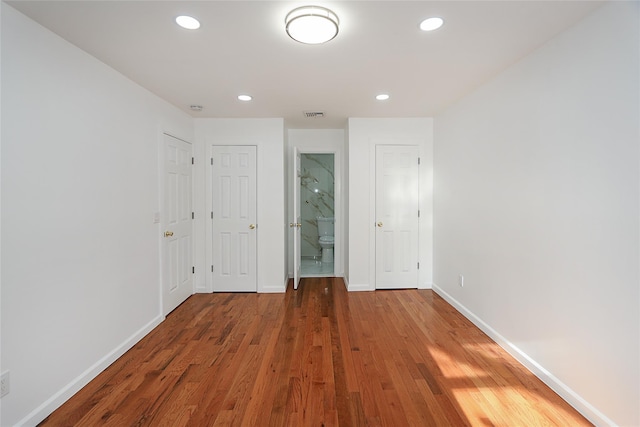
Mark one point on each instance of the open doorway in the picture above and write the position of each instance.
(317, 214)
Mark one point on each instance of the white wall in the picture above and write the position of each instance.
(537, 204)
(268, 136)
(345, 209)
(1, 370)
(363, 135)
(80, 251)
(285, 207)
(320, 141)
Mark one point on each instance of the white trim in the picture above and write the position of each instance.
(274, 289)
(65, 393)
(161, 199)
(338, 213)
(373, 164)
(208, 225)
(372, 214)
(359, 288)
(209, 146)
(570, 396)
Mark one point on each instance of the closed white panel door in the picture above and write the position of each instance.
(177, 283)
(296, 224)
(396, 216)
(234, 218)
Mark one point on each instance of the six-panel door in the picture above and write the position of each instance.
(177, 233)
(234, 218)
(396, 225)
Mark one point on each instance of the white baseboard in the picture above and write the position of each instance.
(358, 288)
(572, 398)
(425, 286)
(55, 401)
(273, 289)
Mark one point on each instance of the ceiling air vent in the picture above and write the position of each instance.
(313, 114)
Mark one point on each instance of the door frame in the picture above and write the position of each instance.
(296, 225)
(374, 205)
(208, 241)
(338, 262)
(159, 214)
(424, 230)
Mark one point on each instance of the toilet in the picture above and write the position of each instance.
(325, 237)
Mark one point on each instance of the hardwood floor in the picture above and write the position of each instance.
(318, 356)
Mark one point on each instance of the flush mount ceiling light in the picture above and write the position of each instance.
(382, 97)
(431, 24)
(312, 24)
(188, 22)
(245, 97)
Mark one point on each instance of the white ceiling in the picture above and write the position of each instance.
(242, 48)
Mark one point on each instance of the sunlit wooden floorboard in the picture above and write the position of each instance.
(318, 356)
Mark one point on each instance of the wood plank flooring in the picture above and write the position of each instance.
(318, 356)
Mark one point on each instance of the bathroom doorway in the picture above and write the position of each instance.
(317, 214)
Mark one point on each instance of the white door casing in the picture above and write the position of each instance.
(177, 265)
(296, 224)
(397, 216)
(234, 215)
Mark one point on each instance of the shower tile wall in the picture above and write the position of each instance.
(316, 197)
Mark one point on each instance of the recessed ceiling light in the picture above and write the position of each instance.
(245, 97)
(382, 97)
(431, 24)
(196, 107)
(188, 22)
(312, 24)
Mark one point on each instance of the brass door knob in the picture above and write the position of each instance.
(252, 226)
(168, 233)
(379, 224)
(298, 225)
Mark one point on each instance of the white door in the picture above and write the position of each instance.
(234, 218)
(177, 277)
(396, 216)
(296, 224)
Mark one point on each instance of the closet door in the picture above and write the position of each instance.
(234, 225)
(397, 201)
(177, 259)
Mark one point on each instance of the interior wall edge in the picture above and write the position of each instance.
(64, 394)
(574, 399)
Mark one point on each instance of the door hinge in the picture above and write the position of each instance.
(418, 160)
(418, 213)
(212, 161)
(212, 268)
(193, 161)
(193, 215)
(418, 266)
(193, 270)
(211, 214)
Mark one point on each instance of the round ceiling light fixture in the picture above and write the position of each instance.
(188, 22)
(312, 24)
(382, 97)
(245, 97)
(431, 24)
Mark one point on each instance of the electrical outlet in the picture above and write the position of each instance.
(4, 384)
(461, 280)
